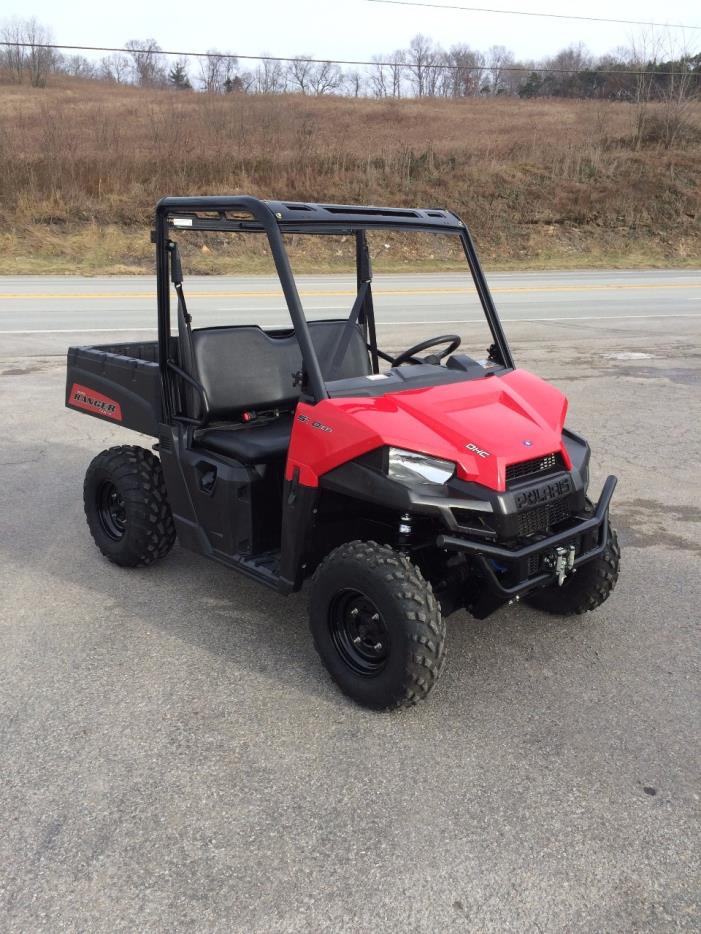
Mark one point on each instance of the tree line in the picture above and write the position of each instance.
(652, 66)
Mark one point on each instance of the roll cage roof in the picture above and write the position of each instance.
(246, 214)
(229, 213)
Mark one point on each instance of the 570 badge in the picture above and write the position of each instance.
(80, 397)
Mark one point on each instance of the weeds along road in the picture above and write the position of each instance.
(174, 757)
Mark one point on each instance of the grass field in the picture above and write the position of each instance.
(541, 183)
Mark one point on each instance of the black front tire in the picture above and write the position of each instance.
(126, 506)
(591, 586)
(377, 625)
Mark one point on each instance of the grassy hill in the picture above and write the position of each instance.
(541, 183)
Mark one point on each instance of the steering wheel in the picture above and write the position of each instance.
(452, 340)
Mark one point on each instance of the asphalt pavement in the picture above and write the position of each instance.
(72, 304)
(174, 757)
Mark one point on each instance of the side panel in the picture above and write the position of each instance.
(297, 538)
(221, 508)
(124, 390)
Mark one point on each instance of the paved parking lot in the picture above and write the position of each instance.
(175, 759)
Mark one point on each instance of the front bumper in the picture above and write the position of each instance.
(502, 567)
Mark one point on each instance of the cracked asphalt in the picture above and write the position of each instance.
(175, 759)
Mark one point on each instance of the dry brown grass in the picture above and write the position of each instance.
(539, 182)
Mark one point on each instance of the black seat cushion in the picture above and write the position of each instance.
(250, 444)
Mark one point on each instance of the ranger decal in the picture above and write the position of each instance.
(80, 397)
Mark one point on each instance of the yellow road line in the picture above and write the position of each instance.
(308, 293)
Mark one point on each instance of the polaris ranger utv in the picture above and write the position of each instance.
(406, 487)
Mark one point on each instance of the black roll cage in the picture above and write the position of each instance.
(275, 218)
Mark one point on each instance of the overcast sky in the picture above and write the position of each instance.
(346, 29)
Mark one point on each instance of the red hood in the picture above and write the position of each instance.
(508, 418)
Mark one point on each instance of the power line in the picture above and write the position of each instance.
(440, 66)
(479, 9)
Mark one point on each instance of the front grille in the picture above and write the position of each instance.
(558, 512)
(542, 518)
(535, 520)
(537, 465)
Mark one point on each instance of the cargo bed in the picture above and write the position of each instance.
(118, 383)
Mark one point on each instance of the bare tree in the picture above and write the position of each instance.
(77, 66)
(435, 73)
(421, 58)
(14, 56)
(642, 58)
(675, 90)
(40, 60)
(386, 74)
(148, 69)
(463, 80)
(325, 77)
(354, 82)
(269, 77)
(378, 77)
(499, 58)
(299, 73)
(27, 55)
(115, 68)
(217, 71)
(397, 68)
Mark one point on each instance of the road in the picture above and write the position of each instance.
(75, 305)
(174, 757)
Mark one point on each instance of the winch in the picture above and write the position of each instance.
(561, 562)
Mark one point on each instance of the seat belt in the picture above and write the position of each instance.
(347, 333)
(186, 354)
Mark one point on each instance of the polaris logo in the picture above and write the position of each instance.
(478, 451)
(543, 494)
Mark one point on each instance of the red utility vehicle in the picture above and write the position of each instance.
(406, 487)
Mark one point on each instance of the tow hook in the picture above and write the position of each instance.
(561, 562)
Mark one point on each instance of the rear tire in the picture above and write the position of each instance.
(591, 586)
(377, 625)
(126, 506)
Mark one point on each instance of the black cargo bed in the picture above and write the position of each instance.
(119, 383)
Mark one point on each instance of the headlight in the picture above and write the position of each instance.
(412, 467)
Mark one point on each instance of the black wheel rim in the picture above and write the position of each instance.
(359, 633)
(111, 510)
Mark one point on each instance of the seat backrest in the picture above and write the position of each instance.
(245, 368)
